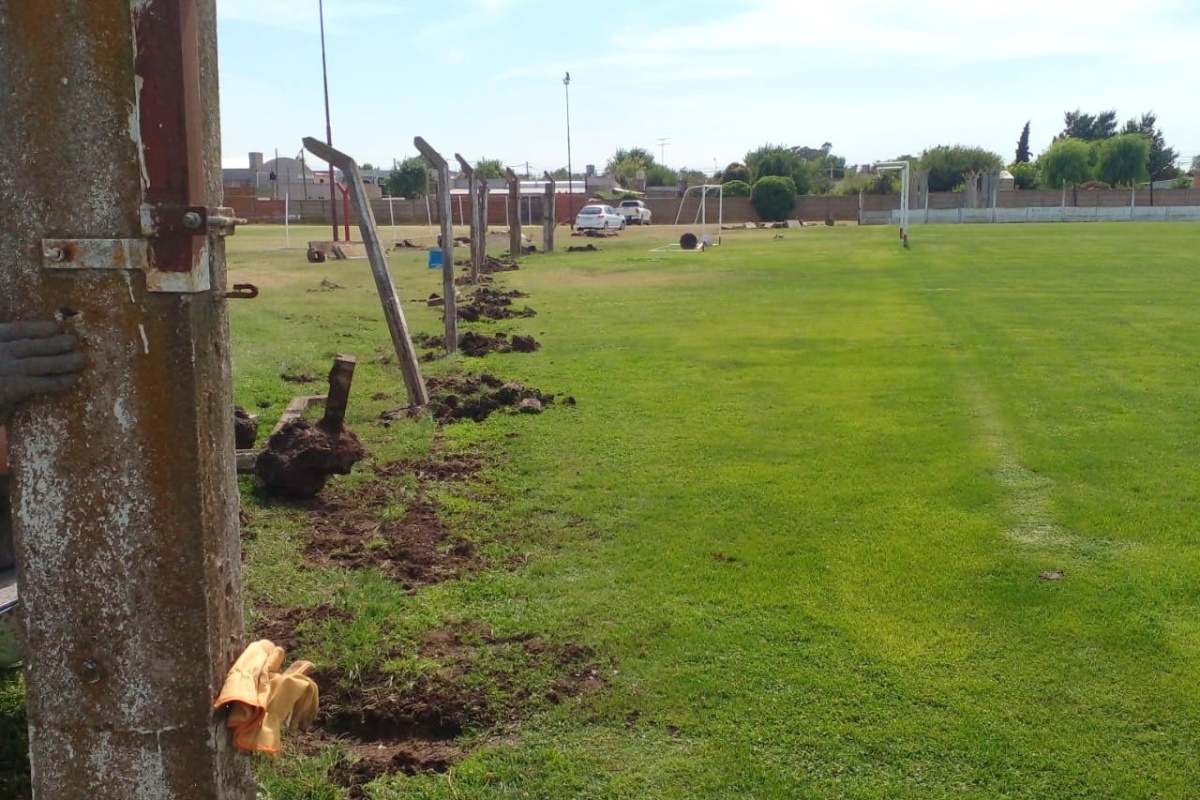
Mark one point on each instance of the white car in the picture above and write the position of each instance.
(599, 218)
(635, 212)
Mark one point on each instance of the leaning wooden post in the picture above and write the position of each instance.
(410, 367)
(481, 255)
(549, 214)
(476, 239)
(125, 502)
(450, 311)
(515, 242)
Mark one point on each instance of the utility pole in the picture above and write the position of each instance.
(125, 501)
(663, 143)
(328, 124)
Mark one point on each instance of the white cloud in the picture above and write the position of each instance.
(943, 31)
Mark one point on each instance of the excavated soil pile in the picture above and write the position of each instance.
(300, 458)
(476, 397)
(478, 345)
(492, 264)
(487, 684)
(245, 429)
(487, 303)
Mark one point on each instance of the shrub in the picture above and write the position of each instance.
(736, 189)
(1025, 175)
(774, 197)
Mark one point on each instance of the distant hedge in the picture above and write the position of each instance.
(736, 189)
(774, 198)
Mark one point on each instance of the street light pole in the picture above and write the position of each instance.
(570, 172)
(328, 124)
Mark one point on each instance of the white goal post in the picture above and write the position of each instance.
(905, 171)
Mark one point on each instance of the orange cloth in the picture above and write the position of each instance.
(263, 700)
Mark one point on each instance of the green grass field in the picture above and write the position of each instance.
(796, 524)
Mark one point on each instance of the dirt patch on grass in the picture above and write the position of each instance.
(488, 303)
(485, 687)
(394, 527)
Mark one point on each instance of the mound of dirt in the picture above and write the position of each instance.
(245, 429)
(453, 398)
(478, 345)
(492, 264)
(489, 303)
(300, 457)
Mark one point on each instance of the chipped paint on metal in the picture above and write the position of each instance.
(145, 339)
(135, 127)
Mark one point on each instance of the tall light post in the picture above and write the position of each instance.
(328, 124)
(570, 172)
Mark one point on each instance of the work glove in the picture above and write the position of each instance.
(35, 358)
(263, 700)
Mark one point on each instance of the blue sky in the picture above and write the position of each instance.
(876, 78)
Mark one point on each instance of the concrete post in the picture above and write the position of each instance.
(125, 504)
(478, 226)
(549, 214)
(482, 211)
(515, 243)
(450, 309)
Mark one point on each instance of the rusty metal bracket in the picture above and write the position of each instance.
(160, 225)
(163, 220)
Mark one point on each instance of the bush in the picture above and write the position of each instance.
(736, 189)
(774, 197)
(1025, 175)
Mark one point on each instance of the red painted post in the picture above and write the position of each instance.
(124, 494)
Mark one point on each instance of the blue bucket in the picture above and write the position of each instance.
(435, 259)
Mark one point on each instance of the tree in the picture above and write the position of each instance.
(1196, 164)
(735, 172)
(489, 168)
(1161, 164)
(1023, 147)
(782, 162)
(626, 163)
(560, 174)
(658, 175)
(366, 165)
(773, 197)
(1025, 175)
(813, 153)
(1123, 159)
(409, 178)
(948, 163)
(1066, 161)
(1089, 127)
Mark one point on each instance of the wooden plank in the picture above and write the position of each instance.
(336, 402)
(549, 215)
